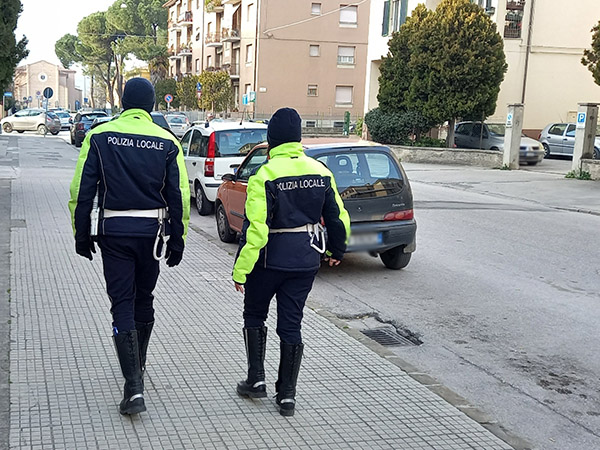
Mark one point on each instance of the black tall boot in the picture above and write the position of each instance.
(144, 331)
(289, 367)
(126, 343)
(256, 347)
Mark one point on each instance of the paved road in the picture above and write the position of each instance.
(503, 291)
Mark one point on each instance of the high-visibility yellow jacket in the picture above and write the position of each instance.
(133, 164)
(289, 191)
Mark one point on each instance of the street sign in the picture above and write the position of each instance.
(509, 120)
(38, 93)
(252, 96)
(48, 92)
(30, 99)
(8, 94)
(581, 120)
(245, 99)
(198, 86)
(199, 95)
(85, 100)
(168, 98)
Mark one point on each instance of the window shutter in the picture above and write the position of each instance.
(403, 11)
(385, 28)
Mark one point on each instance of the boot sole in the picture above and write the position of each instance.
(133, 410)
(286, 412)
(252, 394)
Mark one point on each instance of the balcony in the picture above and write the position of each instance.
(232, 2)
(185, 19)
(233, 70)
(213, 40)
(172, 53)
(184, 49)
(230, 35)
(515, 5)
(214, 6)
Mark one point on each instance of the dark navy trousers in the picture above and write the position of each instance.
(131, 273)
(290, 290)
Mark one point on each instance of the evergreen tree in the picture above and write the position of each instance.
(11, 51)
(591, 57)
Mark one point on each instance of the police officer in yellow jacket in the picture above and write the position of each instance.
(136, 169)
(280, 251)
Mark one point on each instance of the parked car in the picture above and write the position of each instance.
(99, 120)
(65, 119)
(178, 123)
(491, 137)
(559, 139)
(373, 186)
(210, 151)
(82, 123)
(31, 119)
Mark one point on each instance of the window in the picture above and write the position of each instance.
(258, 158)
(247, 88)
(558, 129)
(312, 90)
(195, 143)
(249, 53)
(314, 50)
(345, 55)
(197, 65)
(514, 19)
(348, 15)
(311, 123)
(315, 9)
(570, 130)
(249, 12)
(464, 128)
(185, 142)
(394, 15)
(209, 61)
(343, 95)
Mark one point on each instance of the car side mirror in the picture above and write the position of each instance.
(228, 177)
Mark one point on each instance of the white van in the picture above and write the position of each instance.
(214, 149)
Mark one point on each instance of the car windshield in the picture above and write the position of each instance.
(362, 174)
(92, 116)
(238, 142)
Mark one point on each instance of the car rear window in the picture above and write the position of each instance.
(176, 119)
(93, 116)
(238, 142)
(63, 115)
(364, 174)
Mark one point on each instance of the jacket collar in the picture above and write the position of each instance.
(288, 150)
(136, 112)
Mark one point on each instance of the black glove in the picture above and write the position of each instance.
(173, 256)
(85, 248)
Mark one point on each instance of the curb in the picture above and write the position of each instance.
(428, 381)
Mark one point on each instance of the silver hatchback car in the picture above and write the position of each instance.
(491, 137)
(559, 139)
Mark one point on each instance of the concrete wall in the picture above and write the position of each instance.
(481, 158)
(592, 166)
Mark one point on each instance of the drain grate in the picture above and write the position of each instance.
(387, 336)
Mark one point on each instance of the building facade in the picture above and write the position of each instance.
(30, 80)
(544, 41)
(305, 54)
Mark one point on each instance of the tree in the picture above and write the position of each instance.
(11, 51)
(164, 87)
(458, 64)
(186, 91)
(217, 94)
(591, 58)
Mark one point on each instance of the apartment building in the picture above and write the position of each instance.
(310, 55)
(30, 80)
(544, 41)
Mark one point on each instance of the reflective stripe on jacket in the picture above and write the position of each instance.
(133, 164)
(289, 191)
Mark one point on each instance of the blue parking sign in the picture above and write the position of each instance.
(581, 119)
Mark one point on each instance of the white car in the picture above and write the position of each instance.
(214, 149)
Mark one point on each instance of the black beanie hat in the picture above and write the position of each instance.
(284, 126)
(138, 93)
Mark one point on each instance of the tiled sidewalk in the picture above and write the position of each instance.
(66, 384)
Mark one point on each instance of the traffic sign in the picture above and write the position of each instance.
(199, 95)
(168, 98)
(581, 120)
(30, 98)
(48, 92)
(38, 93)
(252, 96)
(245, 99)
(509, 120)
(8, 94)
(198, 86)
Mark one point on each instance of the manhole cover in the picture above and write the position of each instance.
(387, 336)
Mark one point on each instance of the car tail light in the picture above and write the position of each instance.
(400, 215)
(79, 126)
(539, 136)
(209, 164)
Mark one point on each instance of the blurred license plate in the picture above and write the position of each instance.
(530, 154)
(365, 239)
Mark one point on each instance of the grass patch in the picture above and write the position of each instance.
(579, 174)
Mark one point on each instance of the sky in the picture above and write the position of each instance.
(46, 21)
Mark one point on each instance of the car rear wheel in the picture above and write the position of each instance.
(203, 205)
(41, 129)
(546, 150)
(77, 143)
(395, 258)
(596, 153)
(7, 127)
(532, 163)
(20, 131)
(225, 232)
(72, 140)
(54, 133)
